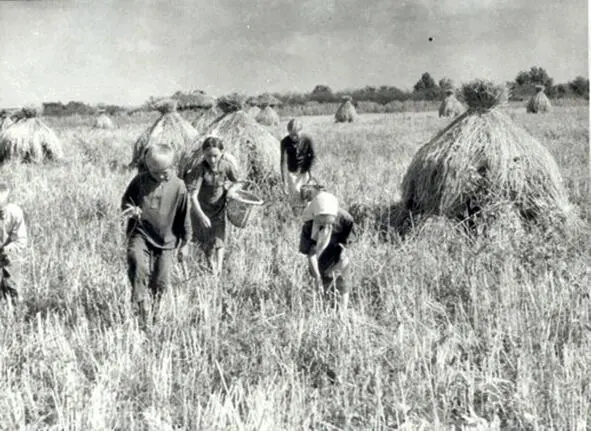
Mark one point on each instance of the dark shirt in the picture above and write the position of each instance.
(300, 153)
(212, 194)
(341, 234)
(165, 219)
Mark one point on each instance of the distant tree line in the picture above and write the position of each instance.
(425, 89)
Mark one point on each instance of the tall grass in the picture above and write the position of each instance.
(443, 330)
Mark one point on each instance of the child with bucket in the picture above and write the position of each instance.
(326, 232)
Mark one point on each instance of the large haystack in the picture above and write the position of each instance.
(346, 112)
(268, 117)
(29, 140)
(256, 150)
(450, 106)
(539, 102)
(170, 129)
(481, 160)
(103, 122)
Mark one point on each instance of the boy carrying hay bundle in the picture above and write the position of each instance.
(13, 239)
(450, 106)
(297, 158)
(346, 112)
(208, 184)
(482, 160)
(539, 102)
(158, 205)
(324, 237)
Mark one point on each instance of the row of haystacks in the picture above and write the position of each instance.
(256, 151)
(483, 161)
(28, 139)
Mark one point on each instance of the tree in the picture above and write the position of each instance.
(322, 94)
(446, 84)
(425, 83)
(580, 86)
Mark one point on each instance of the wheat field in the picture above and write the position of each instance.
(443, 331)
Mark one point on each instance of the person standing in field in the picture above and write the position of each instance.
(297, 160)
(159, 225)
(208, 185)
(13, 242)
(324, 237)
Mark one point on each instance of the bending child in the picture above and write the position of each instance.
(158, 204)
(324, 237)
(297, 160)
(208, 185)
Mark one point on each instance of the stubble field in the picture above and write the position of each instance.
(442, 330)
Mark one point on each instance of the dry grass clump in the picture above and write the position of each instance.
(346, 112)
(29, 140)
(450, 106)
(268, 117)
(539, 102)
(256, 150)
(103, 122)
(480, 160)
(170, 129)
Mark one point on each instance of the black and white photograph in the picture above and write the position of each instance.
(295, 215)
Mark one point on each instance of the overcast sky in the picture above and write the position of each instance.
(123, 51)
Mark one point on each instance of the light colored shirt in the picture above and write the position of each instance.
(13, 230)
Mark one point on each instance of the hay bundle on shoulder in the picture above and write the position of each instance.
(483, 160)
(346, 112)
(29, 140)
(256, 151)
(450, 106)
(170, 129)
(268, 117)
(103, 122)
(539, 102)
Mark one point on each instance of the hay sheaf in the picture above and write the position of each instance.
(103, 122)
(30, 140)
(170, 129)
(450, 106)
(255, 149)
(346, 112)
(539, 102)
(268, 117)
(483, 159)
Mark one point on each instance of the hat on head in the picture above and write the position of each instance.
(159, 157)
(294, 125)
(324, 203)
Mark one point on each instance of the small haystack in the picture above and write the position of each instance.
(450, 106)
(268, 117)
(539, 102)
(346, 112)
(256, 150)
(481, 160)
(253, 111)
(170, 129)
(29, 140)
(103, 122)
(207, 118)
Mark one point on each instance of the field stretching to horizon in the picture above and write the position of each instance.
(443, 331)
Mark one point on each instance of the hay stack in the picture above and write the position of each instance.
(481, 160)
(29, 140)
(346, 112)
(268, 117)
(253, 111)
(450, 106)
(103, 122)
(539, 102)
(5, 123)
(170, 129)
(256, 150)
